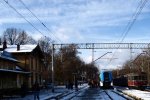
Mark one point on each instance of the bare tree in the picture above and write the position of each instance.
(68, 65)
(23, 38)
(17, 36)
(10, 35)
(45, 44)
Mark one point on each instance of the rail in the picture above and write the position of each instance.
(111, 93)
(71, 94)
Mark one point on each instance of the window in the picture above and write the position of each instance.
(136, 78)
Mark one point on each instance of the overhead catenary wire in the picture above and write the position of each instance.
(39, 20)
(130, 24)
(134, 18)
(23, 17)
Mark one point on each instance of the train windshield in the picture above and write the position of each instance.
(106, 76)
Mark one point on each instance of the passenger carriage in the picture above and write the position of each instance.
(137, 80)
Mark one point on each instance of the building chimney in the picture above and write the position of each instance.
(4, 44)
(18, 47)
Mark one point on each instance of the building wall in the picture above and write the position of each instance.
(32, 63)
(9, 79)
(7, 65)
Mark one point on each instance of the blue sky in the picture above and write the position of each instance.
(79, 21)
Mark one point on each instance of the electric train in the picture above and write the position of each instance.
(106, 79)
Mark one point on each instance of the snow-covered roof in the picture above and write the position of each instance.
(1, 46)
(18, 68)
(14, 71)
(7, 56)
(23, 48)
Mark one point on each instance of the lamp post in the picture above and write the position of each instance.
(93, 54)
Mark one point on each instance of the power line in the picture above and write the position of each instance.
(130, 24)
(39, 20)
(23, 17)
(123, 33)
(134, 19)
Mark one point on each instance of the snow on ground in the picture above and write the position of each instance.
(115, 95)
(75, 92)
(144, 95)
(46, 94)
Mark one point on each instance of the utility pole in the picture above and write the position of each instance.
(92, 52)
(131, 57)
(52, 67)
(148, 73)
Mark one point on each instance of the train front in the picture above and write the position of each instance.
(106, 80)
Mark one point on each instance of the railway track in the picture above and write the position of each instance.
(73, 94)
(108, 95)
(114, 95)
(67, 95)
(100, 94)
